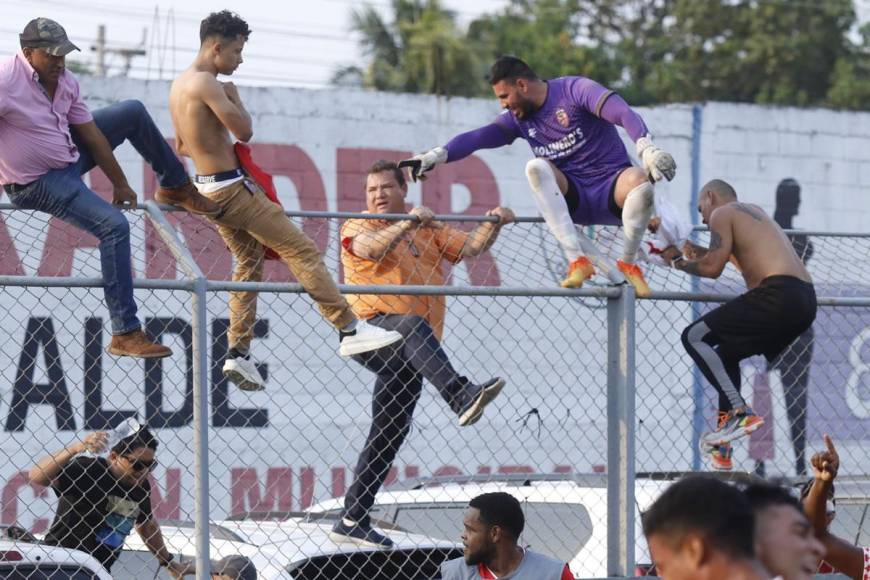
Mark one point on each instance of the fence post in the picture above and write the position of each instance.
(620, 433)
(697, 384)
(199, 319)
(200, 426)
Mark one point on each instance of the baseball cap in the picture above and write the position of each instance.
(48, 35)
(236, 567)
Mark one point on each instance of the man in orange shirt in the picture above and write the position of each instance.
(407, 252)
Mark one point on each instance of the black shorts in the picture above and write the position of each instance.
(766, 319)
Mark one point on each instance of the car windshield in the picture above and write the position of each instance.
(417, 564)
(135, 565)
(565, 541)
(851, 523)
(45, 572)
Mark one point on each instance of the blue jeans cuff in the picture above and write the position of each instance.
(125, 330)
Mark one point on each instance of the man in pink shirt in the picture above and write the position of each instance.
(49, 139)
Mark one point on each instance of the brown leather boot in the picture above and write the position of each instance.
(136, 344)
(189, 198)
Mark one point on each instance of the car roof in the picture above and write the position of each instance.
(33, 553)
(284, 542)
(539, 488)
(852, 488)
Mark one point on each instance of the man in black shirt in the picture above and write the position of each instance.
(100, 500)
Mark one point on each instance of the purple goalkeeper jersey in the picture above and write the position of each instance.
(568, 131)
(575, 129)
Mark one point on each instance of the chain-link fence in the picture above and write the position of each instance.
(601, 401)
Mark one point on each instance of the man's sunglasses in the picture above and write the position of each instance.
(141, 465)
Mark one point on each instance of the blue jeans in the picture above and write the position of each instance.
(63, 194)
(400, 371)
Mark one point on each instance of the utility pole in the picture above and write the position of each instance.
(102, 50)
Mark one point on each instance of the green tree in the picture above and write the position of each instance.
(421, 50)
(850, 85)
(784, 52)
(548, 35)
(764, 51)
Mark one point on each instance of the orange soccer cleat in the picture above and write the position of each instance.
(720, 457)
(579, 271)
(733, 425)
(634, 275)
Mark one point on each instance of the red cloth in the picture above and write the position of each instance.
(263, 179)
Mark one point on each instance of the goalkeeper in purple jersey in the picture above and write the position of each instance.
(581, 173)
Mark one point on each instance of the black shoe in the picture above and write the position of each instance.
(481, 396)
(361, 535)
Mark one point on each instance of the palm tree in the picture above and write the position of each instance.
(420, 51)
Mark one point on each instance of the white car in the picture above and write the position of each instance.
(294, 549)
(566, 515)
(22, 560)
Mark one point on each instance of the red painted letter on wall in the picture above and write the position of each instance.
(247, 496)
(474, 174)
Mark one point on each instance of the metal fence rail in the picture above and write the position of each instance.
(597, 383)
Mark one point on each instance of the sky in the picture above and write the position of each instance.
(293, 42)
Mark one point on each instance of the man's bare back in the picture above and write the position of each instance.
(759, 246)
(204, 112)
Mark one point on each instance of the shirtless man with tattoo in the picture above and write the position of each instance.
(779, 306)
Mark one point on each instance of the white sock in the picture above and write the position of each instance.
(553, 207)
(636, 213)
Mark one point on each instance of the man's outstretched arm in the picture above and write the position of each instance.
(489, 136)
(606, 104)
(46, 471)
(615, 110)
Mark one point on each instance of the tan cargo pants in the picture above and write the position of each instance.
(249, 222)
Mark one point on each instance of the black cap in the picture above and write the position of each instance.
(48, 35)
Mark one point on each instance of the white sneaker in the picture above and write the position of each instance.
(367, 337)
(243, 372)
(481, 396)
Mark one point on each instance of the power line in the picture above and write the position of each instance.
(191, 50)
(273, 26)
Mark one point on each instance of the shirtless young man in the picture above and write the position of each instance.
(779, 306)
(204, 113)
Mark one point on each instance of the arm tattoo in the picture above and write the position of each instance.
(749, 210)
(693, 267)
(715, 241)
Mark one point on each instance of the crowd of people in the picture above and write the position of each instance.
(581, 174)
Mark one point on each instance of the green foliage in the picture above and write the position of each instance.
(850, 83)
(784, 52)
(421, 50)
(78, 68)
